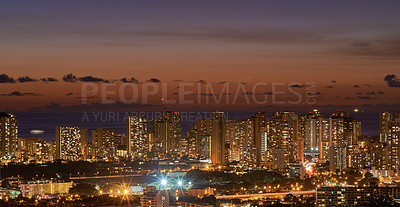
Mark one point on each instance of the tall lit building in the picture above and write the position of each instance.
(8, 134)
(104, 142)
(71, 143)
(36, 149)
(282, 139)
(393, 142)
(137, 136)
(167, 132)
(384, 119)
(260, 127)
(218, 138)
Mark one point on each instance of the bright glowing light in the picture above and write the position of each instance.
(126, 191)
(355, 110)
(180, 183)
(164, 182)
(190, 183)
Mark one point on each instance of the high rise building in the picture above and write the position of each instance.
(384, 119)
(260, 127)
(71, 143)
(137, 136)
(36, 149)
(104, 142)
(393, 142)
(282, 139)
(167, 132)
(218, 138)
(8, 135)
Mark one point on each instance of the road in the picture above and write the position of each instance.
(265, 195)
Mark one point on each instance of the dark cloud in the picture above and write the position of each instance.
(49, 79)
(25, 79)
(356, 86)
(91, 79)
(131, 80)
(70, 78)
(364, 97)
(329, 86)
(392, 80)
(297, 86)
(17, 93)
(314, 93)
(154, 80)
(6, 79)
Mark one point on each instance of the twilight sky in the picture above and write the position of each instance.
(346, 47)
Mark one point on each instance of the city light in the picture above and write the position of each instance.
(164, 182)
(180, 183)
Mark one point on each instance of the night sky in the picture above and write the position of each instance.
(346, 47)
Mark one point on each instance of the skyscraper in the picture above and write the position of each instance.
(384, 119)
(8, 134)
(167, 132)
(104, 142)
(137, 136)
(71, 143)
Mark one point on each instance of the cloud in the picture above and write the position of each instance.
(329, 86)
(364, 97)
(49, 79)
(392, 80)
(17, 93)
(25, 79)
(70, 78)
(131, 80)
(91, 79)
(154, 80)
(356, 86)
(297, 86)
(314, 93)
(6, 79)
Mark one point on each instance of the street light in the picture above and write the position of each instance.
(164, 182)
(180, 183)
